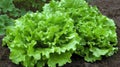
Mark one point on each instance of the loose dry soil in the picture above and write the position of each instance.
(110, 8)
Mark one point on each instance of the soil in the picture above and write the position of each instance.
(110, 8)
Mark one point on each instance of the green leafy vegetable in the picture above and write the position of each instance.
(12, 9)
(4, 21)
(61, 29)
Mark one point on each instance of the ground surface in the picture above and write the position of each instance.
(110, 8)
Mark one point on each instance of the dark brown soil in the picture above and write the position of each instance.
(110, 8)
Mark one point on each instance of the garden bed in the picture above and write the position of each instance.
(109, 8)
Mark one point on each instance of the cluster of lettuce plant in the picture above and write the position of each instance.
(61, 29)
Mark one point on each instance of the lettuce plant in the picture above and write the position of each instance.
(61, 29)
(4, 22)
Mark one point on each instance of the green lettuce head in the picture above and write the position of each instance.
(61, 29)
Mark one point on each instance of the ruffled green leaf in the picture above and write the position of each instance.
(63, 59)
